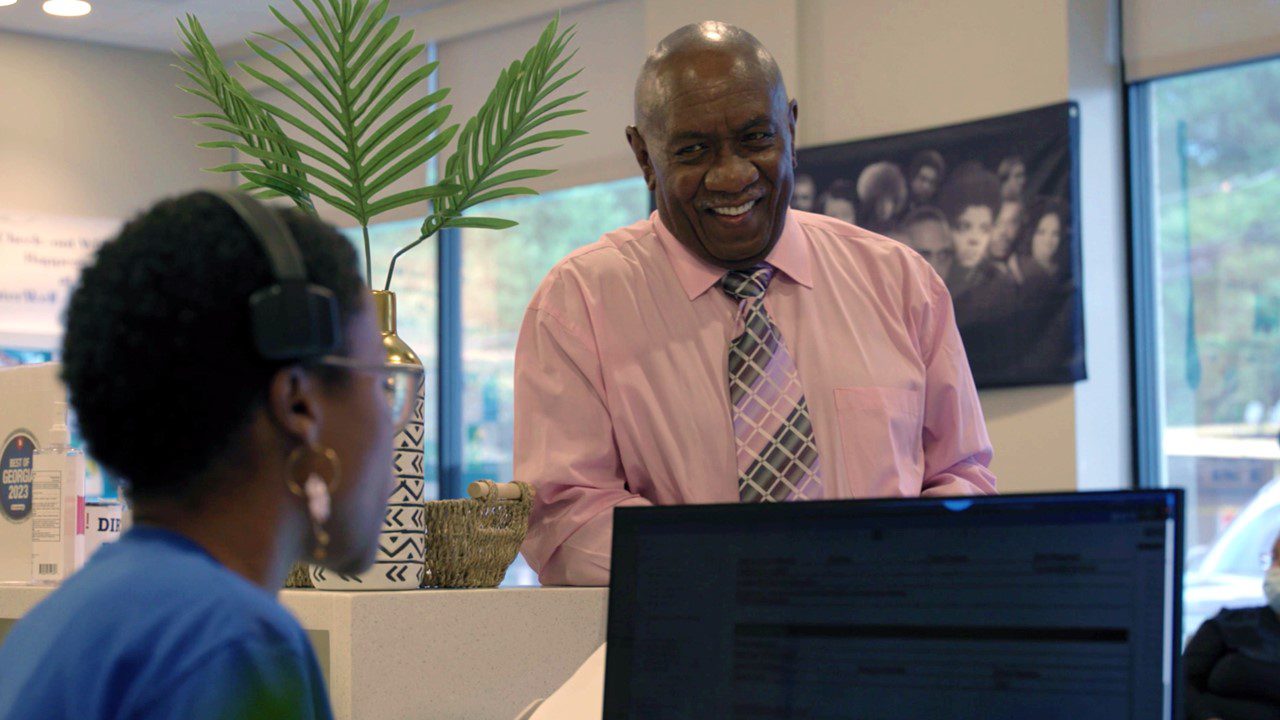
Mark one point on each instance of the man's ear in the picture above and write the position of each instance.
(641, 150)
(794, 113)
(293, 404)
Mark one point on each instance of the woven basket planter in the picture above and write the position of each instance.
(299, 577)
(471, 542)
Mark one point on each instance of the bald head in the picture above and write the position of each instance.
(714, 137)
(688, 54)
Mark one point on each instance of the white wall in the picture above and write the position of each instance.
(89, 130)
(96, 136)
(610, 48)
(877, 68)
(1104, 415)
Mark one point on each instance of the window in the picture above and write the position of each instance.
(1207, 320)
(500, 272)
(460, 301)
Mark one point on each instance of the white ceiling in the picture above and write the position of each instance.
(152, 24)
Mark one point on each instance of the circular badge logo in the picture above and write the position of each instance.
(15, 476)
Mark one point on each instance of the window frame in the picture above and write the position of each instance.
(451, 387)
(1146, 373)
(450, 376)
(1146, 376)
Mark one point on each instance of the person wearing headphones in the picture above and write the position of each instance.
(224, 359)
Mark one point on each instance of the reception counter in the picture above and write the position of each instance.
(473, 654)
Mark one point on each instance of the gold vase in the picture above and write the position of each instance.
(397, 351)
(400, 545)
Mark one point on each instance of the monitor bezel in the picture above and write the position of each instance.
(628, 521)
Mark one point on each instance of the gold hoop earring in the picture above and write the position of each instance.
(316, 491)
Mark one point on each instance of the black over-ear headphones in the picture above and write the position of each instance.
(292, 319)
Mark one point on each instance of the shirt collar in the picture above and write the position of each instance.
(791, 256)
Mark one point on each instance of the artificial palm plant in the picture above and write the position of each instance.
(360, 119)
(349, 74)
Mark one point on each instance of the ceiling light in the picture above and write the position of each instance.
(67, 8)
(7, 2)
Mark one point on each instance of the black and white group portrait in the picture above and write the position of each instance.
(991, 206)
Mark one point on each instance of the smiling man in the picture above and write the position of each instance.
(728, 349)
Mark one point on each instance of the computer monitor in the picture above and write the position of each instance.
(1031, 606)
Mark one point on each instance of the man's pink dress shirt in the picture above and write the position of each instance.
(621, 381)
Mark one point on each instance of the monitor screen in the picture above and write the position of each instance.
(1032, 606)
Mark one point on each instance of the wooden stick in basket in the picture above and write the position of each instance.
(486, 489)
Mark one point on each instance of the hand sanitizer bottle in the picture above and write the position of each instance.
(57, 489)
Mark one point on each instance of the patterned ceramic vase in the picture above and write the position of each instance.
(399, 562)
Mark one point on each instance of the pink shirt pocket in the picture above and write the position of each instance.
(880, 440)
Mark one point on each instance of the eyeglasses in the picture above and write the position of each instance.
(400, 383)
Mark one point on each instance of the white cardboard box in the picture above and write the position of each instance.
(27, 397)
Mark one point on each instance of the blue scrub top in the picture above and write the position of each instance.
(154, 627)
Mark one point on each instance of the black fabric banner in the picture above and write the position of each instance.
(992, 205)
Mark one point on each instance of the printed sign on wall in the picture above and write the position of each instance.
(40, 259)
(991, 204)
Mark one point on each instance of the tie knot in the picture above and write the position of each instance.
(747, 284)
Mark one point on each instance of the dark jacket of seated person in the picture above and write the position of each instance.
(237, 463)
(1232, 664)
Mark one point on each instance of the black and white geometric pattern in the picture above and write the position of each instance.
(398, 565)
(786, 470)
(777, 455)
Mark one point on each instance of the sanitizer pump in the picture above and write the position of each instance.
(57, 489)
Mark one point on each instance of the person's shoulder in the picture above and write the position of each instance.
(610, 250)
(1247, 617)
(1247, 625)
(1251, 631)
(613, 258)
(179, 583)
(843, 243)
(858, 241)
(147, 610)
(998, 280)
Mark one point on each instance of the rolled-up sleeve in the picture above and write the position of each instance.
(565, 448)
(957, 450)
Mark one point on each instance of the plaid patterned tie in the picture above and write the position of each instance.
(777, 457)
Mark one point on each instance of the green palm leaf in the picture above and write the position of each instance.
(343, 72)
(501, 133)
(239, 110)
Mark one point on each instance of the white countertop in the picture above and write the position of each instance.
(470, 654)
